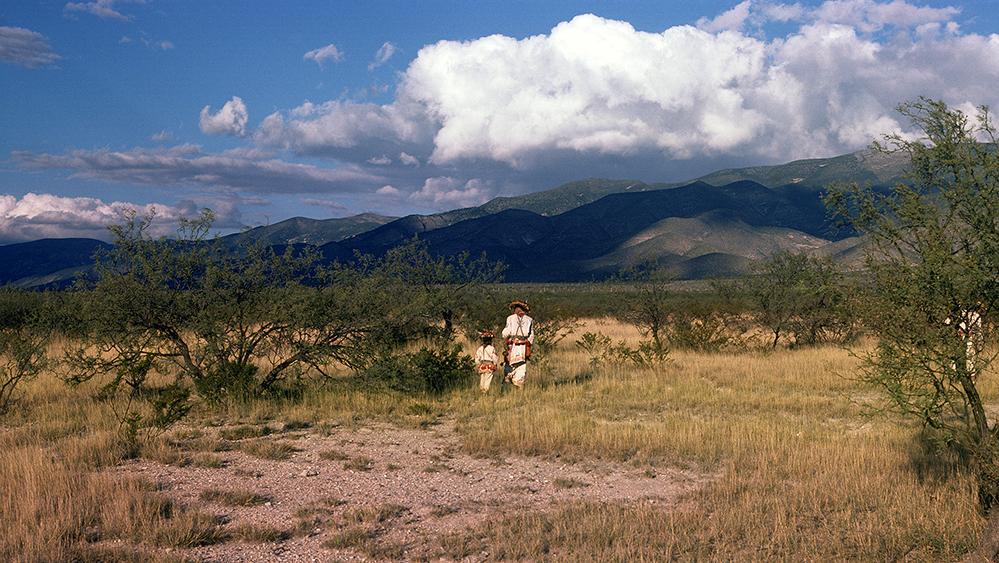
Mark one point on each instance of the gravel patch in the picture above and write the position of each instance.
(404, 487)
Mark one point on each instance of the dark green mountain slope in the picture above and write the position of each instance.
(301, 230)
(41, 258)
(801, 175)
(863, 167)
(570, 246)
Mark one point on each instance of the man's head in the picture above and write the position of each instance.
(519, 308)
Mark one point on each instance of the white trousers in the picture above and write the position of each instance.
(485, 379)
(519, 374)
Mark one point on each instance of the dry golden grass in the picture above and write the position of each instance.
(268, 449)
(797, 470)
(360, 463)
(51, 509)
(245, 431)
(259, 534)
(802, 473)
(234, 497)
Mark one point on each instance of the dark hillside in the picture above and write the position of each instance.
(569, 246)
(46, 256)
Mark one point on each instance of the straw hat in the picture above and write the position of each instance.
(522, 304)
(486, 334)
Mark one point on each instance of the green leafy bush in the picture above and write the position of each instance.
(441, 370)
(701, 333)
(229, 380)
(430, 370)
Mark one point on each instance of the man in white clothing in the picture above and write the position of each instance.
(519, 334)
(969, 330)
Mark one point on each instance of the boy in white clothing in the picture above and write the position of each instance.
(519, 334)
(486, 360)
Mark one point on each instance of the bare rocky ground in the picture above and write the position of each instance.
(384, 492)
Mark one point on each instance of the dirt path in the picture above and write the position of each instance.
(385, 492)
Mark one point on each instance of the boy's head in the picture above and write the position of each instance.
(486, 336)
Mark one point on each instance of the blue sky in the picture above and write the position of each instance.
(267, 110)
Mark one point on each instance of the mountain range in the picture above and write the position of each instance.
(715, 226)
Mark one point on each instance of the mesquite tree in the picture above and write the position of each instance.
(25, 331)
(232, 323)
(799, 297)
(438, 291)
(933, 259)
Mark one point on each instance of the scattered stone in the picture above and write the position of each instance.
(487, 488)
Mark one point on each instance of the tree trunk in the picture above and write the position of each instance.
(977, 409)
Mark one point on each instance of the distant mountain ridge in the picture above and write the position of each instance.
(302, 230)
(575, 245)
(863, 167)
(34, 263)
(715, 226)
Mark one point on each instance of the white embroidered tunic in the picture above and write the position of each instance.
(517, 326)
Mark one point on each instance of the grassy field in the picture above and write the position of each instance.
(796, 467)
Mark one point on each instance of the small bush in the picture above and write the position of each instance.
(562, 483)
(442, 370)
(259, 534)
(246, 431)
(375, 514)
(356, 536)
(209, 461)
(228, 381)
(648, 354)
(360, 464)
(234, 498)
(431, 370)
(292, 425)
(194, 529)
(442, 510)
(269, 450)
(701, 333)
(595, 345)
(334, 455)
(600, 349)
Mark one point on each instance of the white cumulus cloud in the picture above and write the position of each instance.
(870, 15)
(595, 90)
(382, 56)
(26, 48)
(101, 8)
(336, 126)
(229, 120)
(408, 159)
(323, 54)
(730, 20)
(445, 192)
(34, 216)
